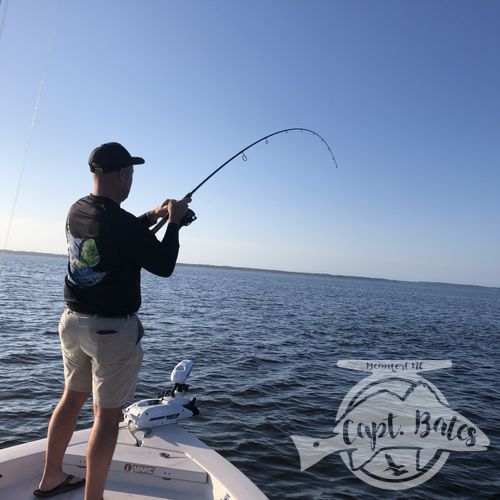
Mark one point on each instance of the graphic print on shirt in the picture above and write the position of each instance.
(83, 256)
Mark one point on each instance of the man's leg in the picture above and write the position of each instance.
(100, 450)
(61, 427)
(115, 365)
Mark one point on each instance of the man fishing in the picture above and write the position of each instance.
(100, 331)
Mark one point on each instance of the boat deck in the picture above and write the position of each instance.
(170, 463)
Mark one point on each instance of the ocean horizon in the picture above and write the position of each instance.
(278, 271)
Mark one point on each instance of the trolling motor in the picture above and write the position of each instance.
(168, 408)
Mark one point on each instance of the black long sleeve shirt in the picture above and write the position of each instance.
(107, 247)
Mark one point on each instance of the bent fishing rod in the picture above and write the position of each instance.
(191, 216)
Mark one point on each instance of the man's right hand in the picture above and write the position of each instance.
(177, 209)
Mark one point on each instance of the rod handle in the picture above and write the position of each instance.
(160, 224)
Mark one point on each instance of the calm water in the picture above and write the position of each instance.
(265, 347)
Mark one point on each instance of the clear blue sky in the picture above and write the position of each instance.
(405, 92)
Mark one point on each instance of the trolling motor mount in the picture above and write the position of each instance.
(168, 408)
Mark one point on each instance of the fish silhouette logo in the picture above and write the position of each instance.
(394, 429)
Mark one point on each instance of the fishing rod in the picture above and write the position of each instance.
(190, 215)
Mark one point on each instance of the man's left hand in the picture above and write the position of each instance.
(161, 210)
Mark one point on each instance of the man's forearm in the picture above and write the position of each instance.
(148, 219)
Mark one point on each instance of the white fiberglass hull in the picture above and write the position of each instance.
(171, 463)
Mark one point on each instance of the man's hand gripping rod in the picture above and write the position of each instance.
(185, 221)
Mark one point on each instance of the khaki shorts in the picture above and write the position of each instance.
(102, 355)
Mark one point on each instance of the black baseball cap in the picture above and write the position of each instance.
(110, 157)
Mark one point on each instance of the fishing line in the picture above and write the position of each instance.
(33, 120)
(190, 216)
(213, 195)
(4, 15)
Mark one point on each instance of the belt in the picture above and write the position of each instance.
(91, 315)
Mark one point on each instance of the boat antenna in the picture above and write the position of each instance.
(34, 116)
(244, 158)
